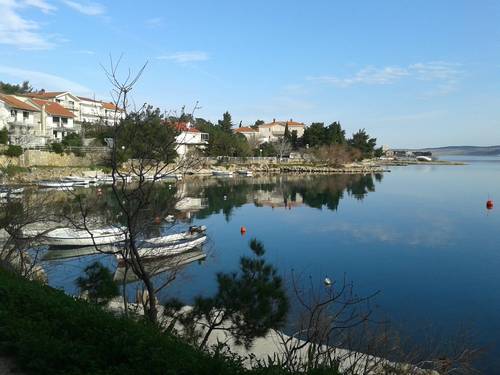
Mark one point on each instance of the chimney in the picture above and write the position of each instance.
(291, 120)
(274, 120)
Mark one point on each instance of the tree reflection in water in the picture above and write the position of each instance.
(224, 195)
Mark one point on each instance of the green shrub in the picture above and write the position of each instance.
(48, 332)
(4, 137)
(57, 148)
(72, 140)
(14, 151)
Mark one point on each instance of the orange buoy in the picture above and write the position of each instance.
(243, 230)
(489, 204)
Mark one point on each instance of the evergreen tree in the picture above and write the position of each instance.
(334, 134)
(226, 124)
(294, 140)
(287, 132)
(362, 141)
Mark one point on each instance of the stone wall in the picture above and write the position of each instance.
(32, 158)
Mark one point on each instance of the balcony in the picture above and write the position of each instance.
(24, 123)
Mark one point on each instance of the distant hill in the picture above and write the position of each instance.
(464, 150)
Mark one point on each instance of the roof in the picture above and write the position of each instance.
(88, 99)
(53, 109)
(44, 95)
(186, 127)
(110, 106)
(13, 102)
(282, 123)
(245, 129)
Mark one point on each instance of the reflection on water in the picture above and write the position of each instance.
(421, 235)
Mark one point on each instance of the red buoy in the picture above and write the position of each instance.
(489, 204)
(243, 230)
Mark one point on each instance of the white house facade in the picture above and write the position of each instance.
(189, 139)
(22, 121)
(271, 132)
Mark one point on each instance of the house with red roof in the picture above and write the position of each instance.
(189, 139)
(22, 121)
(275, 130)
(56, 121)
(272, 131)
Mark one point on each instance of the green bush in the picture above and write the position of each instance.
(72, 140)
(48, 332)
(57, 148)
(4, 137)
(14, 151)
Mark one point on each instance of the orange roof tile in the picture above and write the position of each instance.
(184, 127)
(53, 109)
(44, 95)
(110, 106)
(245, 129)
(282, 123)
(17, 104)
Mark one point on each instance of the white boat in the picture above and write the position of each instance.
(245, 173)
(222, 173)
(80, 181)
(55, 183)
(82, 237)
(423, 158)
(171, 244)
(108, 179)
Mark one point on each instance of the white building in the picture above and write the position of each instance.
(251, 134)
(272, 131)
(56, 122)
(84, 109)
(22, 120)
(189, 139)
(96, 111)
(275, 130)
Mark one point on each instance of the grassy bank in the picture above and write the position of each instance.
(48, 332)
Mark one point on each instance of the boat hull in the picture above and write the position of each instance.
(71, 237)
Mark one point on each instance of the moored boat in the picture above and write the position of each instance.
(81, 237)
(245, 173)
(55, 183)
(220, 173)
(171, 244)
(423, 158)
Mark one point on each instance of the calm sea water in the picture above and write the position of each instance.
(421, 235)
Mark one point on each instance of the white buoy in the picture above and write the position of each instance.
(225, 197)
(327, 281)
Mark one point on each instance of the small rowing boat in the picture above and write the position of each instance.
(222, 173)
(81, 237)
(55, 183)
(245, 173)
(171, 244)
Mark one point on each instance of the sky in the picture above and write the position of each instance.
(412, 73)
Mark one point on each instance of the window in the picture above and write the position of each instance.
(26, 115)
(56, 119)
(58, 100)
(204, 136)
(65, 121)
(13, 113)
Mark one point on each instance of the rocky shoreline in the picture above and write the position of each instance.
(29, 176)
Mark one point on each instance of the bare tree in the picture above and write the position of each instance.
(144, 150)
